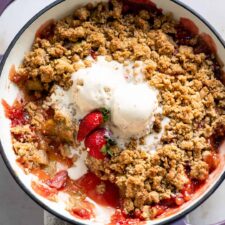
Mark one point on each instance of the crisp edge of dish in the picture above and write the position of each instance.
(13, 173)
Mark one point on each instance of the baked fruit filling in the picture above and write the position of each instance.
(122, 104)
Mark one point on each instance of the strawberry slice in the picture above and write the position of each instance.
(90, 122)
(43, 191)
(97, 143)
(59, 180)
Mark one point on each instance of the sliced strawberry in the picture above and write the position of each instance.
(81, 213)
(95, 142)
(59, 180)
(84, 210)
(45, 192)
(90, 122)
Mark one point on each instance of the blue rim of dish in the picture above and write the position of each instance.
(20, 183)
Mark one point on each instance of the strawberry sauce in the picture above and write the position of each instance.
(54, 155)
(46, 30)
(189, 25)
(84, 211)
(118, 218)
(164, 207)
(110, 197)
(16, 113)
(206, 44)
(43, 191)
(187, 30)
(15, 77)
(136, 5)
(93, 54)
(41, 174)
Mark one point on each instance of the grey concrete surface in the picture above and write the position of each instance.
(16, 208)
(52, 220)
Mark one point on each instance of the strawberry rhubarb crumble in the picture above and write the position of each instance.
(120, 107)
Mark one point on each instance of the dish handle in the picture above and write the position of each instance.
(184, 222)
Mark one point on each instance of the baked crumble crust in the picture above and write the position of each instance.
(191, 96)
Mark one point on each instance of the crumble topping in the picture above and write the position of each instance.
(191, 96)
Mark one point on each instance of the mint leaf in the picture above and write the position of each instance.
(105, 114)
(106, 150)
(110, 152)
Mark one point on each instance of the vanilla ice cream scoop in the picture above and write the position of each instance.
(93, 87)
(133, 109)
(103, 85)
